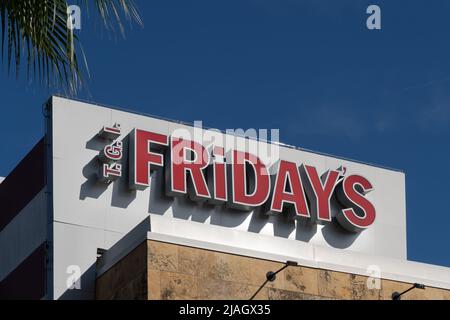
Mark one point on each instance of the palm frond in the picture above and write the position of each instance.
(38, 31)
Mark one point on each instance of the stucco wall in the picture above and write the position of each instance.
(157, 270)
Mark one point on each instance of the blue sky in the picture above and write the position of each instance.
(308, 67)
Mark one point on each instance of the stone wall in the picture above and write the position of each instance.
(127, 279)
(157, 270)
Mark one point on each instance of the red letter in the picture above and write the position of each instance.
(258, 182)
(217, 178)
(360, 212)
(319, 193)
(181, 163)
(141, 158)
(288, 174)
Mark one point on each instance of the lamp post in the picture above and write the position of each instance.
(272, 276)
(398, 296)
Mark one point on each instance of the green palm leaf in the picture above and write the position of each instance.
(37, 30)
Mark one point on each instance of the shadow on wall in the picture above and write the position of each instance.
(122, 196)
(283, 226)
(183, 208)
(92, 187)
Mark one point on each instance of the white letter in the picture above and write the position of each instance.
(74, 280)
(374, 20)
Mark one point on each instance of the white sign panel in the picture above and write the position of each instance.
(112, 169)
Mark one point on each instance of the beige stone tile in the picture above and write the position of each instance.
(277, 294)
(243, 291)
(263, 294)
(213, 289)
(177, 286)
(228, 267)
(103, 287)
(122, 274)
(135, 261)
(429, 293)
(302, 279)
(140, 288)
(119, 276)
(361, 290)
(162, 256)
(154, 284)
(446, 294)
(389, 286)
(134, 289)
(193, 261)
(334, 285)
(345, 286)
(227, 290)
(259, 269)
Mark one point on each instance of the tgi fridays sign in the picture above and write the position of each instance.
(238, 179)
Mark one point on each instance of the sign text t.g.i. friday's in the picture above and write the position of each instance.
(238, 179)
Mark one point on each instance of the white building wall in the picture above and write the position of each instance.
(88, 215)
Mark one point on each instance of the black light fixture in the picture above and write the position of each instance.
(271, 276)
(398, 296)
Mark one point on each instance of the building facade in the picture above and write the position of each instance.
(114, 204)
